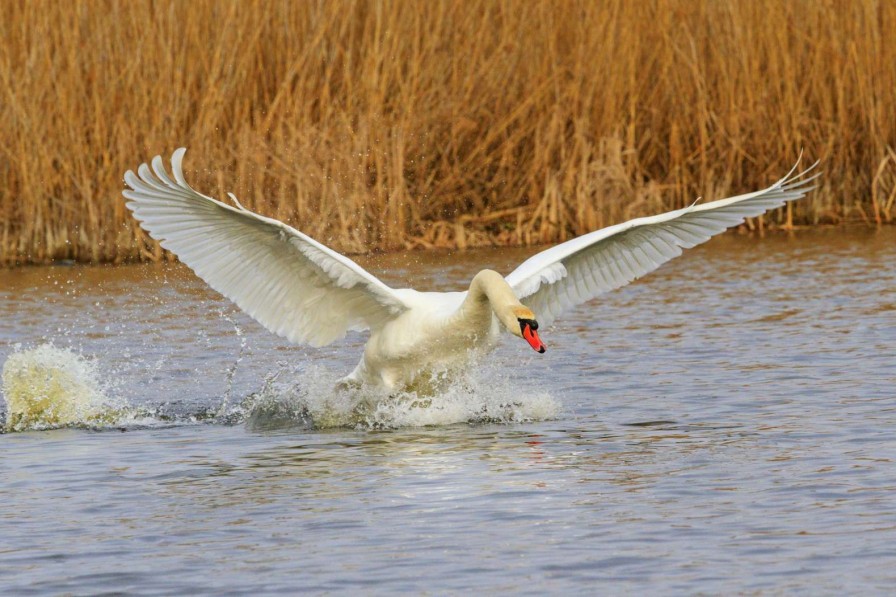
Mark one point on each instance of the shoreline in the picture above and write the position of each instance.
(741, 232)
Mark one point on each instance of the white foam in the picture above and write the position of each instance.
(310, 398)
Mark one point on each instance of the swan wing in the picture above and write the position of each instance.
(290, 283)
(580, 269)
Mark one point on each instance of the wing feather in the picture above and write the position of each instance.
(585, 267)
(290, 283)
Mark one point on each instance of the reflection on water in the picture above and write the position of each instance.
(725, 425)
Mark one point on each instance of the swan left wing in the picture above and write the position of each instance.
(579, 270)
(291, 284)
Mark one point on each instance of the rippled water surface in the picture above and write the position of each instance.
(724, 425)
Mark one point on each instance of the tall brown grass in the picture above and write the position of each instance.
(437, 123)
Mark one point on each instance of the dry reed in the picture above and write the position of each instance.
(447, 123)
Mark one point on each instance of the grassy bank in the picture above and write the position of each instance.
(445, 123)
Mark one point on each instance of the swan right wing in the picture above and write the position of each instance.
(290, 283)
(580, 269)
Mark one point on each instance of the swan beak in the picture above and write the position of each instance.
(531, 336)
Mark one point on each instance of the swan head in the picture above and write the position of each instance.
(528, 328)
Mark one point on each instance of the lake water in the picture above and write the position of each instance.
(725, 425)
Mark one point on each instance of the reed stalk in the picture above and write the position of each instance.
(390, 125)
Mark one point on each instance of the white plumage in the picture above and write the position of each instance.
(579, 270)
(308, 293)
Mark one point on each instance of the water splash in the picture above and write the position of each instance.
(49, 387)
(231, 371)
(311, 399)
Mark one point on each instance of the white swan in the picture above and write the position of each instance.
(301, 290)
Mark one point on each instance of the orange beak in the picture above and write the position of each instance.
(532, 338)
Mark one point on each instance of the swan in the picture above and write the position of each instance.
(308, 293)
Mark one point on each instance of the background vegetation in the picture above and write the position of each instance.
(438, 123)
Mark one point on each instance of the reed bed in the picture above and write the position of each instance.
(443, 123)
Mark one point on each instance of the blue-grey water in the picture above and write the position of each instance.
(725, 425)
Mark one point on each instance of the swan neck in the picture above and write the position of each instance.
(490, 285)
(490, 289)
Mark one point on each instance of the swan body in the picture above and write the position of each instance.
(306, 292)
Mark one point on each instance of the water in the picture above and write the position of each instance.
(724, 425)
